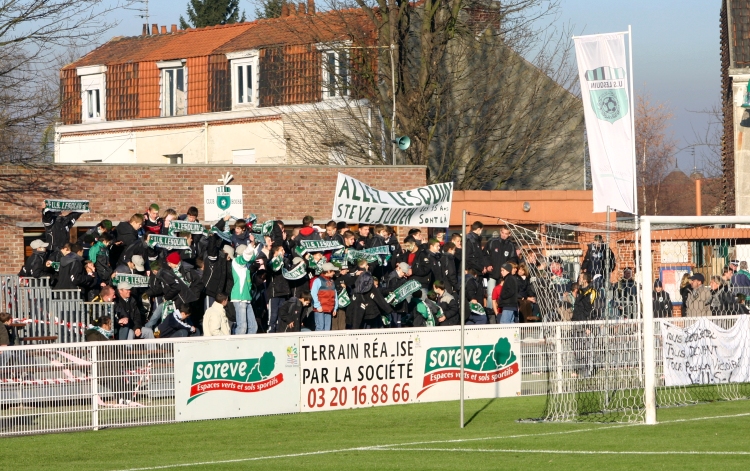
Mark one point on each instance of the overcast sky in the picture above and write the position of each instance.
(675, 49)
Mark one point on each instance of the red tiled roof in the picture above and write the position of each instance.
(190, 43)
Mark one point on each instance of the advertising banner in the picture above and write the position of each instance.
(220, 199)
(602, 70)
(704, 353)
(426, 206)
(373, 369)
(237, 377)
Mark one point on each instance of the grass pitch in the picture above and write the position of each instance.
(412, 437)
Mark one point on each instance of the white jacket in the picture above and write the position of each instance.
(215, 321)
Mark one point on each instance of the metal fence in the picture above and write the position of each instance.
(85, 386)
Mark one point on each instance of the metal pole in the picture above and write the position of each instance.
(94, 389)
(649, 365)
(463, 310)
(608, 264)
(393, 92)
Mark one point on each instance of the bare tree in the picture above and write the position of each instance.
(35, 36)
(486, 94)
(655, 149)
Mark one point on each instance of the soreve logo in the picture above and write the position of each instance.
(247, 376)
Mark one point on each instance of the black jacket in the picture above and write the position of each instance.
(35, 266)
(290, 311)
(451, 311)
(662, 304)
(186, 288)
(215, 268)
(450, 274)
(367, 306)
(498, 252)
(276, 285)
(474, 289)
(584, 305)
(72, 275)
(425, 267)
(57, 227)
(596, 258)
(128, 309)
(170, 326)
(475, 258)
(390, 284)
(126, 234)
(509, 294)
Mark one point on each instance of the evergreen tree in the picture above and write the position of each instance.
(203, 13)
(269, 9)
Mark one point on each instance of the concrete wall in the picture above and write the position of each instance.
(118, 191)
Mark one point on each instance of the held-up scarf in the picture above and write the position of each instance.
(403, 291)
(78, 206)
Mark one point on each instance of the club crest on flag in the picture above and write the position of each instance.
(609, 97)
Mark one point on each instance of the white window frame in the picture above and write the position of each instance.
(93, 93)
(335, 51)
(174, 67)
(243, 59)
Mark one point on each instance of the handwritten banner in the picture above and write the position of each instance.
(426, 206)
(704, 353)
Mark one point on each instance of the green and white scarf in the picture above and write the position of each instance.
(224, 235)
(78, 206)
(295, 273)
(343, 298)
(168, 242)
(104, 332)
(478, 309)
(277, 262)
(136, 281)
(185, 226)
(403, 291)
(316, 266)
(55, 266)
(262, 229)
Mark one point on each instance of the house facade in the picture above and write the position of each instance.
(220, 94)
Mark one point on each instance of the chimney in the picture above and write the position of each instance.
(154, 29)
(144, 32)
(164, 29)
(302, 8)
(310, 7)
(284, 10)
(292, 9)
(174, 28)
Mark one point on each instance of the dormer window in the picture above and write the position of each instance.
(244, 67)
(335, 73)
(92, 93)
(173, 88)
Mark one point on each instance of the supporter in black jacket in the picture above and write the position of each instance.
(475, 257)
(180, 283)
(499, 251)
(393, 281)
(508, 301)
(661, 301)
(448, 304)
(367, 305)
(583, 309)
(215, 264)
(126, 234)
(277, 287)
(36, 266)
(177, 323)
(57, 227)
(474, 291)
(290, 313)
(448, 265)
(129, 319)
(72, 274)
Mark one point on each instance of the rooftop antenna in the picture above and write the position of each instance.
(142, 10)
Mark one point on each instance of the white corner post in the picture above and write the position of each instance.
(649, 360)
(463, 310)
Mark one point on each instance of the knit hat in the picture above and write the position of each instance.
(507, 267)
(174, 258)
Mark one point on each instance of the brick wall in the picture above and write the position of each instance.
(118, 191)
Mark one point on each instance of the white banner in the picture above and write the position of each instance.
(602, 69)
(236, 377)
(705, 353)
(220, 199)
(426, 206)
(374, 369)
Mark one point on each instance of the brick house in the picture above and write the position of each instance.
(208, 95)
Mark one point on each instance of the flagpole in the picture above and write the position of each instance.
(463, 310)
(632, 124)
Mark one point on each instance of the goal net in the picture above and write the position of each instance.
(593, 331)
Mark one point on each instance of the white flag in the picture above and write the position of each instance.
(604, 89)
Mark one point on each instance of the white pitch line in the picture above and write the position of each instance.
(458, 440)
(569, 452)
